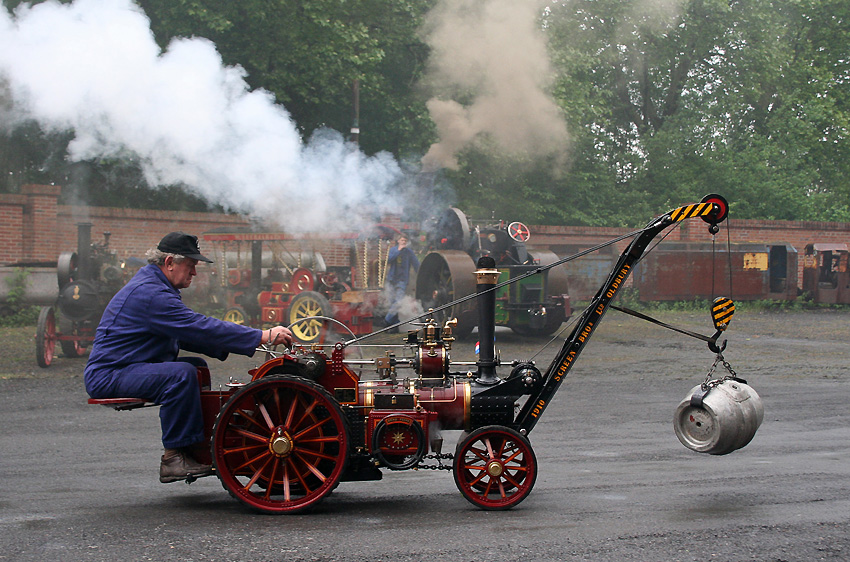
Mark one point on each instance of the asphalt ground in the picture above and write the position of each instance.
(80, 482)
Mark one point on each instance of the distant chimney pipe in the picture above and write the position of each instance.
(84, 266)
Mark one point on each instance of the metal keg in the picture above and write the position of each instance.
(721, 420)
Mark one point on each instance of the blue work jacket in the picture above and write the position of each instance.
(147, 322)
(400, 262)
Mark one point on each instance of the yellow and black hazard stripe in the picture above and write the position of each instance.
(722, 310)
(691, 211)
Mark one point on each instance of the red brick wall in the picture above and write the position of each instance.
(34, 228)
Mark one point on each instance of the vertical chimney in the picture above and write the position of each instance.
(486, 277)
(84, 265)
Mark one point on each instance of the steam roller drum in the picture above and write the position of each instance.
(79, 301)
(556, 281)
(444, 277)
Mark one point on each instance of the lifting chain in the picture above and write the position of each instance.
(709, 383)
(438, 458)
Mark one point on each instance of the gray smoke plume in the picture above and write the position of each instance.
(93, 67)
(490, 70)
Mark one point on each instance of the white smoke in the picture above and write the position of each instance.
(93, 67)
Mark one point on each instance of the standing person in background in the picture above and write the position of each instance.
(144, 327)
(399, 261)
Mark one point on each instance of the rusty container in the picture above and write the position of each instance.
(721, 421)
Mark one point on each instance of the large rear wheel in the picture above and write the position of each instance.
(280, 444)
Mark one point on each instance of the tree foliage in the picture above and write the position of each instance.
(664, 102)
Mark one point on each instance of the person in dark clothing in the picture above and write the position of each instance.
(399, 261)
(136, 346)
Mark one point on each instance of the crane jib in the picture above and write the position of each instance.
(589, 321)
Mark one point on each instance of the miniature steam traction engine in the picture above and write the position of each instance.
(307, 420)
(87, 279)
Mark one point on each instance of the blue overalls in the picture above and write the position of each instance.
(135, 350)
(398, 275)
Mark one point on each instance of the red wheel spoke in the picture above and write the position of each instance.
(325, 439)
(287, 423)
(287, 493)
(316, 472)
(250, 418)
(271, 478)
(265, 413)
(308, 410)
(315, 454)
(250, 435)
(310, 428)
(251, 461)
(244, 449)
(480, 453)
(257, 474)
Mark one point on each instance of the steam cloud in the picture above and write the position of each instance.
(491, 54)
(93, 67)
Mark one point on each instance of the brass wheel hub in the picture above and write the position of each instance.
(495, 468)
(281, 443)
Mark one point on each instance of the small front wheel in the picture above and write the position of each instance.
(495, 467)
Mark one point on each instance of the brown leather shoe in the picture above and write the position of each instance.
(182, 467)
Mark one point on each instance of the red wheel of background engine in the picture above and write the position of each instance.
(45, 337)
(519, 232)
(495, 467)
(302, 280)
(722, 203)
(280, 444)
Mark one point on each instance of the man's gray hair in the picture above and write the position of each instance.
(157, 256)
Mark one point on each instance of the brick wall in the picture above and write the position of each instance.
(35, 228)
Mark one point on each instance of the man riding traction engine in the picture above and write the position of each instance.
(308, 420)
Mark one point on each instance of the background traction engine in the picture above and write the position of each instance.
(88, 279)
(535, 305)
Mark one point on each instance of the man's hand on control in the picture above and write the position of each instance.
(277, 335)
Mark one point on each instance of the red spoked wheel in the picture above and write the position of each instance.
(45, 337)
(280, 444)
(519, 232)
(495, 467)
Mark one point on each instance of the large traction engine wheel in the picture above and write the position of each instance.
(308, 305)
(280, 444)
(45, 337)
(495, 467)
